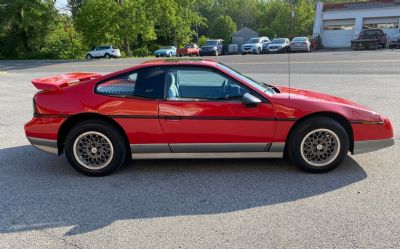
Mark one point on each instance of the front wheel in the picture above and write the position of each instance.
(107, 56)
(318, 145)
(89, 56)
(95, 148)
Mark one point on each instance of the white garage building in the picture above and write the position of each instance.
(337, 24)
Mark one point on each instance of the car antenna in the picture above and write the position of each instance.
(290, 36)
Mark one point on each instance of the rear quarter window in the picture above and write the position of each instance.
(144, 83)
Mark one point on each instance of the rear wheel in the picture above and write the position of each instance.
(95, 148)
(318, 145)
(89, 56)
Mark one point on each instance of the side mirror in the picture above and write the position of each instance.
(250, 100)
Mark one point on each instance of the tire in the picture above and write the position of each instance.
(109, 157)
(107, 56)
(89, 57)
(320, 158)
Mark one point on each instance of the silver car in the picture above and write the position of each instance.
(300, 44)
(278, 45)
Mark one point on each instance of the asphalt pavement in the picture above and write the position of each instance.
(248, 203)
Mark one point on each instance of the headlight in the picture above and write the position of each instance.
(215, 48)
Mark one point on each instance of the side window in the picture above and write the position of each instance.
(202, 84)
(145, 83)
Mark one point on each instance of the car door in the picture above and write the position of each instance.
(203, 112)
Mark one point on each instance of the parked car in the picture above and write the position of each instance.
(195, 109)
(255, 45)
(188, 50)
(394, 42)
(213, 47)
(107, 51)
(168, 51)
(300, 44)
(278, 45)
(370, 39)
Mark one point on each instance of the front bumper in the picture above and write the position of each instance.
(361, 147)
(208, 52)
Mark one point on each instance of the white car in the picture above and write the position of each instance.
(107, 52)
(255, 45)
(300, 44)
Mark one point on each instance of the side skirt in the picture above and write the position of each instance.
(207, 155)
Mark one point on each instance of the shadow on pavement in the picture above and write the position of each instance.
(42, 191)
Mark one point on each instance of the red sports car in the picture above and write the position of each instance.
(195, 109)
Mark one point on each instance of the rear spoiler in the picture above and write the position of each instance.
(63, 80)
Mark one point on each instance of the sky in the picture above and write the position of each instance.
(60, 4)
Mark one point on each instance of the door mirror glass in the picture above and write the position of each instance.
(250, 100)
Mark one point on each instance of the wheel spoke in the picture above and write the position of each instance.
(320, 147)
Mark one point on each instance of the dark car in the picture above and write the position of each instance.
(278, 45)
(370, 39)
(213, 47)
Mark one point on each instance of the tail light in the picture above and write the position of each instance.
(35, 109)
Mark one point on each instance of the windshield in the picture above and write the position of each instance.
(261, 86)
(299, 39)
(166, 47)
(278, 41)
(210, 43)
(254, 40)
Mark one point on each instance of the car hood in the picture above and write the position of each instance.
(316, 96)
(275, 45)
(163, 50)
(208, 46)
(249, 44)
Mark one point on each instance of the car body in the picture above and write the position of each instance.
(104, 51)
(277, 45)
(394, 42)
(255, 45)
(195, 109)
(167, 51)
(189, 50)
(213, 47)
(300, 44)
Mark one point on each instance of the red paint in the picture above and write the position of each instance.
(152, 121)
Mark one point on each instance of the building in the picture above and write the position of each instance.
(243, 35)
(338, 24)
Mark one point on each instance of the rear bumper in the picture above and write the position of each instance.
(46, 145)
(361, 147)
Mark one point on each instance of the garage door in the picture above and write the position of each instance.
(337, 33)
(389, 25)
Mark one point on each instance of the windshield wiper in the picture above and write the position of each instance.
(269, 87)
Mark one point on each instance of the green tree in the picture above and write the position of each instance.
(63, 42)
(223, 28)
(24, 26)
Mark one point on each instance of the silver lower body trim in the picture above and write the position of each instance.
(207, 155)
(218, 147)
(207, 150)
(371, 145)
(46, 145)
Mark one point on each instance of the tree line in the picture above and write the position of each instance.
(37, 29)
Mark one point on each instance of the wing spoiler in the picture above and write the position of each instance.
(63, 80)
